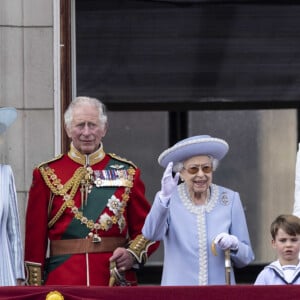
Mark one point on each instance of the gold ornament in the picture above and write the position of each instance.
(213, 248)
(54, 295)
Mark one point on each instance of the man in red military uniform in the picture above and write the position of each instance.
(86, 210)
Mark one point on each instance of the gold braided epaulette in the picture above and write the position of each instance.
(139, 247)
(54, 183)
(67, 190)
(51, 160)
(115, 156)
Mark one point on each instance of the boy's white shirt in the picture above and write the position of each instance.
(288, 272)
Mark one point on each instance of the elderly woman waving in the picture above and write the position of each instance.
(198, 221)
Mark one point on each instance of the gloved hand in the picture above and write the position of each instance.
(226, 241)
(168, 182)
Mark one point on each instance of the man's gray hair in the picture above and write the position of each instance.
(68, 116)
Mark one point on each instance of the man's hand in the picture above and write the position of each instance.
(124, 259)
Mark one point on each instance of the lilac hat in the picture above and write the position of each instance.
(7, 116)
(194, 146)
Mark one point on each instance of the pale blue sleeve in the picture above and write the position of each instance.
(156, 223)
(244, 255)
(261, 278)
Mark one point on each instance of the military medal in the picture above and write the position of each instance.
(98, 182)
(86, 185)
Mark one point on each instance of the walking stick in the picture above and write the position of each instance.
(227, 262)
(227, 266)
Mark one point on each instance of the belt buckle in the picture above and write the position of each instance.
(96, 238)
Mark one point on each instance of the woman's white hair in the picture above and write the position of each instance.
(178, 166)
(68, 116)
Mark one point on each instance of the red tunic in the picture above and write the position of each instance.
(127, 221)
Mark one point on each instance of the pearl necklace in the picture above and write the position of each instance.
(191, 206)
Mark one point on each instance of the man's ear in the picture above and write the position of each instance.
(105, 129)
(67, 131)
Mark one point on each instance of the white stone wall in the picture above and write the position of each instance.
(26, 82)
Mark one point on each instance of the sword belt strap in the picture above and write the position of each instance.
(76, 246)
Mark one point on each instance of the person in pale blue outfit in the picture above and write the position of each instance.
(285, 232)
(197, 220)
(11, 259)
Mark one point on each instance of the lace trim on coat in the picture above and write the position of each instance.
(200, 211)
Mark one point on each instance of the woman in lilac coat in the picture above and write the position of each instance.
(197, 220)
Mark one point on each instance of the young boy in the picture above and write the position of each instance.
(285, 232)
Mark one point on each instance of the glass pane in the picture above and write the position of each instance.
(140, 137)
